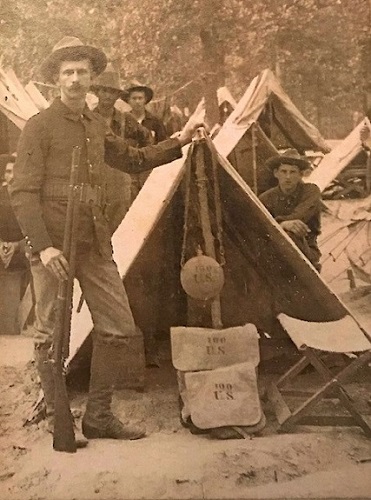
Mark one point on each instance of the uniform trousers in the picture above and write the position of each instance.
(102, 289)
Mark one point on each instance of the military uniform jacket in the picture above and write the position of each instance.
(304, 204)
(43, 165)
(125, 125)
(155, 126)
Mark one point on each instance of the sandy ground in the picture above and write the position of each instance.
(172, 463)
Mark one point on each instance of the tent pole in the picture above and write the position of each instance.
(368, 173)
(216, 315)
(254, 161)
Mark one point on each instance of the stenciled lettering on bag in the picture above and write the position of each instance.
(216, 345)
(223, 392)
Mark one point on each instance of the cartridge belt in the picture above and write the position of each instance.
(87, 193)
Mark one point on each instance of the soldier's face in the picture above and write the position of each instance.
(137, 100)
(8, 175)
(74, 78)
(107, 97)
(288, 177)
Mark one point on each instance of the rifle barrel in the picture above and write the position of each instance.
(63, 435)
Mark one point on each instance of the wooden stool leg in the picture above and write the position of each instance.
(293, 372)
(358, 418)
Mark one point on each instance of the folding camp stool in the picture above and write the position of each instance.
(313, 339)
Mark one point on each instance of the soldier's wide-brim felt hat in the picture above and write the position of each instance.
(67, 49)
(109, 80)
(289, 157)
(136, 86)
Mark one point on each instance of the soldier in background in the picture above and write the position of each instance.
(123, 188)
(14, 264)
(108, 90)
(138, 96)
(295, 205)
(12, 244)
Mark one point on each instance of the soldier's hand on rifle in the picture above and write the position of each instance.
(54, 260)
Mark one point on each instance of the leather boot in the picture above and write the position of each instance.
(45, 372)
(98, 421)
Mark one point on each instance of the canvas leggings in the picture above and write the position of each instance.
(103, 291)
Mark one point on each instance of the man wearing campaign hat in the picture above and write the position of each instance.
(39, 193)
(108, 90)
(295, 205)
(138, 96)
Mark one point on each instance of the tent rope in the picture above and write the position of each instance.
(350, 237)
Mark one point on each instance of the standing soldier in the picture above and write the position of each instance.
(138, 96)
(39, 192)
(107, 89)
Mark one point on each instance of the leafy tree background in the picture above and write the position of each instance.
(320, 49)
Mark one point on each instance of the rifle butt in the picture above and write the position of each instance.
(63, 435)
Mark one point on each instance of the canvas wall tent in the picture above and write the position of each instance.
(249, 136)
(36, 96)
(265, 273)
(15, 102)
(16, 107)
(339, 158)
(223, 95)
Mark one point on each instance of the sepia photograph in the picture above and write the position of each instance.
(185, 249)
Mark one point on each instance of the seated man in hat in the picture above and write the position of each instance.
(107, 88)
(296, 206)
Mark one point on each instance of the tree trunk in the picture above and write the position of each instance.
(213, 58)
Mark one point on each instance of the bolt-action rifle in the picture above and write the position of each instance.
(64, 435)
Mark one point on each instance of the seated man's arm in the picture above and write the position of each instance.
(290, 223)
(308, 206)
(297, 227)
